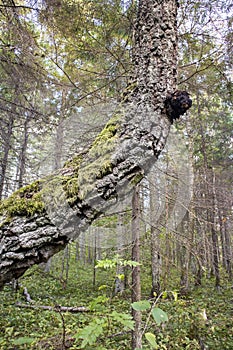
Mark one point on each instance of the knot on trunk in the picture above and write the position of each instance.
(177, 104)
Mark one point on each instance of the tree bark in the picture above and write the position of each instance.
(120, 270)
(228, 241)
(58, 308)
(185, 254)
(23, 150)
(117, 160)
(155, 238)
(136, 280)
(6, 150)
(214, 233)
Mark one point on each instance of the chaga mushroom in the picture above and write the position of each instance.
(177, 104)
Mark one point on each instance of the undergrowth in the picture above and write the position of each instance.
(202, 320)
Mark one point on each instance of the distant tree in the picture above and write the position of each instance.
(136, 278)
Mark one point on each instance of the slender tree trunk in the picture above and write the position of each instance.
(90, 249)
(94, 257)
(64, 275)
(223, 240)
(210, 203)
(6, 150)
(229, 254)
(58, 154)
(136, 282)
(188, 232)
(59, 136)
(58, 150)
(120, 270)
(155, 239)
(22, 157)
(59, 142)
(200, 260)
(214, 231)
(168, 245)
(81, 244)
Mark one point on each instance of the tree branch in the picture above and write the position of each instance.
(56, 308)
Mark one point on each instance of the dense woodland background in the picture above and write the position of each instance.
(64, 66)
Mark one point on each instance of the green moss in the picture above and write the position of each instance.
(105, 141)
(70, 184)
(106, 168)
(74, 162)
(71, 189)
(130, 90)
(32, 198)
(26, 201)
(136, 179)
(92, 170)
(4, 220)
(98, 163)
(76, 178)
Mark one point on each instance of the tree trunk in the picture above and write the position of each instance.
(210, 202)
(59, 136)
(228, 248)
(136, 282)
(214, 231)
(58, 152)
(23, 150)
(6, 150)
(59, 142)
(120, 270)
(65, 267)
(187, 229)
(55, 210)
(223, 241)
(155, 238)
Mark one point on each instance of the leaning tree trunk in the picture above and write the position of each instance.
(41, 218)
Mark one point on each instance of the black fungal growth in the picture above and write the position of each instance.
(177, 104)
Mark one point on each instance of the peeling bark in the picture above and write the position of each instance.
(104, 175)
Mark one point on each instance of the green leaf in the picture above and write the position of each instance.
(106, 264)
(90, 333)
(159, 315)
(104, 286)
(151, 339)
(120, 277)
(130, 263)
(124, 319)
(141, 305)
(175, 295)
(98, 304)
(23, 340)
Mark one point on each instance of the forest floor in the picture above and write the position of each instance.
(202, 320)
